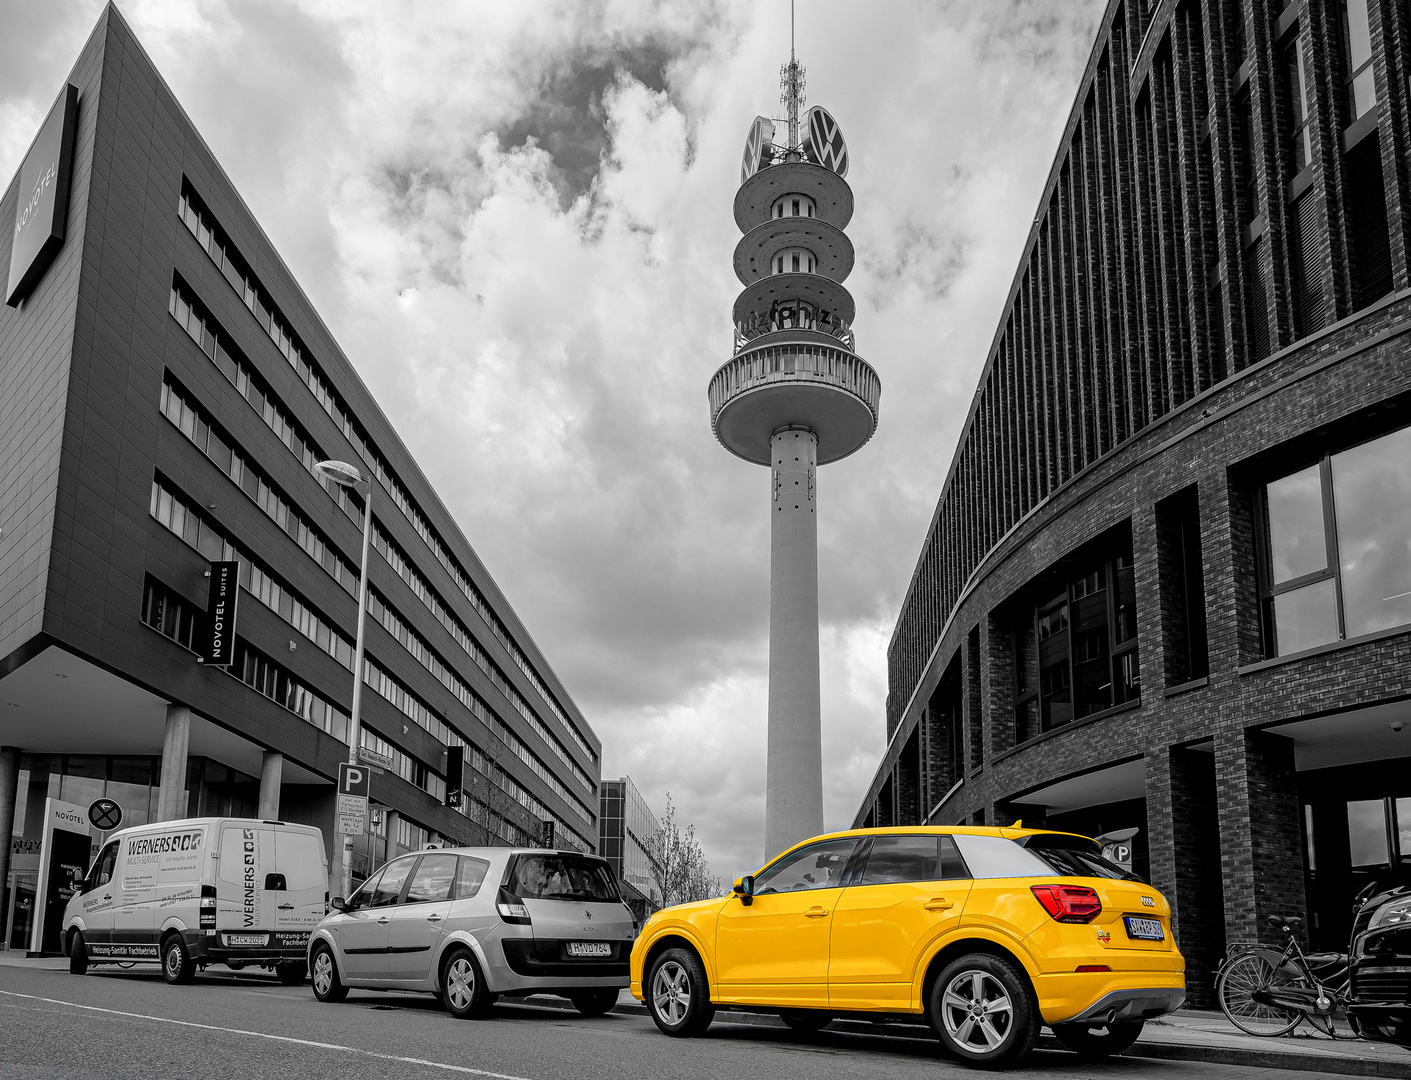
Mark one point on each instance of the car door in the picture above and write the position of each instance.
(97, 902)
(420, 919)
(911, 890)
(774, 950)
(363, 933)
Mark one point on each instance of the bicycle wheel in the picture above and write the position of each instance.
(1235, 987)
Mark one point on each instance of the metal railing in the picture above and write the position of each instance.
(795, 362)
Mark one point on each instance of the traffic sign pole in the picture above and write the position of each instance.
(355, 722)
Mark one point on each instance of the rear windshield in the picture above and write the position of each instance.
(562, 877)
(1072, 856)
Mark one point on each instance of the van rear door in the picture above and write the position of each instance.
(246, 908)
(298, 905)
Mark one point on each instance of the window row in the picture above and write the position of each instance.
(176, 404)
(208, 234)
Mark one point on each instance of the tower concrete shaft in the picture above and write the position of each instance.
(794, 770)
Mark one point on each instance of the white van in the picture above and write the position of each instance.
(201, 891)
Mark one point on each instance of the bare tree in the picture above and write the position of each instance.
(679, 866)
(487, 802)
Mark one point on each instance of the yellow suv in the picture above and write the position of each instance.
(987, 932)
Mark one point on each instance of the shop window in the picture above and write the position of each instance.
(1335, 561)
(1076, 649)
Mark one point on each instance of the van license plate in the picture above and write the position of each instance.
(589, 948)
(246, 939)
(1145, 929)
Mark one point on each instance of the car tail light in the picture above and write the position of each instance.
(208, 907)
(511, 907)
(1087, 968)
(1069, 903)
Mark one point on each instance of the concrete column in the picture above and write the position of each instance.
(171, 797)
(9, 795)
(271, 776)
(391, 817)
(793, 807)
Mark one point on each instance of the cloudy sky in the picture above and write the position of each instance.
(516, 219)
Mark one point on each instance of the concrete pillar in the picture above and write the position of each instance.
(9, 795)
(391, 817)
(793, 805)
(171, 796)
(1261, 851)
(271, 776)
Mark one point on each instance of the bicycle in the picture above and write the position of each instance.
(1267, 991)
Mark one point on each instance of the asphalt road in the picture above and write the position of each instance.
(123, 1025)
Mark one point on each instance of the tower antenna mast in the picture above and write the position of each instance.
(791, 86)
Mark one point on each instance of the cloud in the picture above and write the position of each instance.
(516, 218)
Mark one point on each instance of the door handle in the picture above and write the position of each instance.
(433, 917)
(286, 907)
(816, 912)
(383, 921)
(938, 903)
(107, 896)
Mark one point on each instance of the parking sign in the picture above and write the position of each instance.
(354, 786)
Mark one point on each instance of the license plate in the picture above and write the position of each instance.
(589, 948)
(246, 939)
(1145, 929)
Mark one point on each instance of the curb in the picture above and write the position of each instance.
(1272, 1058)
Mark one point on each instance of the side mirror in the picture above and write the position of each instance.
(338, 904)
(744, 889)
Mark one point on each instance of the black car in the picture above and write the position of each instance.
(1380, 968)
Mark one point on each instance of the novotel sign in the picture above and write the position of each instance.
(220, 613)
(42, 210)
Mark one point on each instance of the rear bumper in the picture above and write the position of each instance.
(284, 946)
(1118, 995)
(1135, 1004)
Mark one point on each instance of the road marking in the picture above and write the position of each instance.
(466, 1069)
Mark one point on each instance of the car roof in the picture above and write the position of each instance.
(499, 852)
(1008, 832)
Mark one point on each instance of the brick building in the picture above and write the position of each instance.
(1167, 585)
(166, 390)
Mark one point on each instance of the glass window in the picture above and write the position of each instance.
(433, 879)
(1372, 494)
(389, 886)
(363, 897)
(102, 871)
(1297, 542)
(1305, 617)
(1357, 43)
(996, 857)
(1403, 829)
(1367, 832)
(562, 877)
(895, 859)
(817, 866)
(469, 874)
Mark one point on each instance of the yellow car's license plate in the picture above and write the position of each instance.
(1145, 929)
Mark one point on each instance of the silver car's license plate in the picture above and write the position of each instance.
(246, 939)
(1145, 929)
(589, 948)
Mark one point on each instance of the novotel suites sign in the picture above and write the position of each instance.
(42, 210)
(220, 613)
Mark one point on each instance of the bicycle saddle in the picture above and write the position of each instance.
(1285, 922)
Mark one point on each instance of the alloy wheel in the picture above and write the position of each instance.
(323, 972)
(671, 992)
(460, 983)
(977, 1011)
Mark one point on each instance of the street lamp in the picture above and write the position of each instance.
(345, 475)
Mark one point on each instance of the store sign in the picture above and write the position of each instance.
(42, 210)
(65, 851)
(220, 613)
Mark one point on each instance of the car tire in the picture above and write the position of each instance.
(291, 974)
(78, 954)
(678, 995)
(177, 966)
(323, 972)
(1093, 1042)
(983, 1009)
(805, 1021)
(463, 992)
(594, 1002)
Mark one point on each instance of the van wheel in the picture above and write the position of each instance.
(463, 986)
(1092, 1042)
(594, 1002)
(328, 987)
(678, 996)
(177, 966)
(291, 974)
(78, 954)
(983, 1009)
(805, 1021)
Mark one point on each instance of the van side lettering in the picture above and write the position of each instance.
(248, 907)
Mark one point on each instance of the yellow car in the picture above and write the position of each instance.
(988, 932)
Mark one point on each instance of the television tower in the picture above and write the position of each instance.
(794, 396)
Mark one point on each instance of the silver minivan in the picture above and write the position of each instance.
(473, 924)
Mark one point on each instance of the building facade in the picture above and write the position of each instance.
(166, 390)
(1167, 585)
(626, 825)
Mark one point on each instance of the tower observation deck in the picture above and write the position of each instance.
(795, 395)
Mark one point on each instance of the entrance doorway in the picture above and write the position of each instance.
(19, 920)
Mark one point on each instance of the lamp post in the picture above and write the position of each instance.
(345, 475)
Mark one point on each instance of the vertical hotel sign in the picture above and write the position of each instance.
(42, 209)
(220, 613)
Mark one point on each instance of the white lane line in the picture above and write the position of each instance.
(276, 1038)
